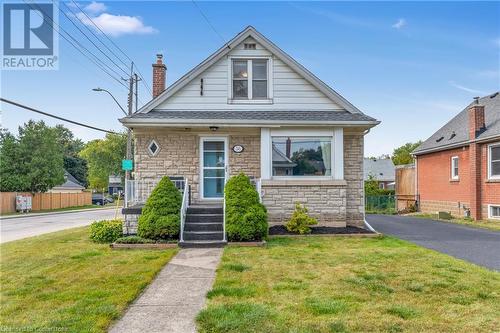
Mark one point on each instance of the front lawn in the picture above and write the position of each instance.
(321, 284)
(62, 282)
(485, 224)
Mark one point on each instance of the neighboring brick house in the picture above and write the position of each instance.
(251, 108)
(458, 167)
(382, 170)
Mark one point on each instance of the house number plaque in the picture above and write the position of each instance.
(238, 149)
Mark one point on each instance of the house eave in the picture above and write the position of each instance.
(134, 123)
(456, 145)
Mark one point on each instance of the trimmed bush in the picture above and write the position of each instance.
(106, 231)
(246, 217)
(160, 216)
(133, 240)
(300, 220)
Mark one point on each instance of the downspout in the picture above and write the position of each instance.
(368, 226)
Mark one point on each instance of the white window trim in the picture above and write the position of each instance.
(269, 99)
(489, 212)
(490, 146)
(453, 176)
(337, 155)
(158, 148)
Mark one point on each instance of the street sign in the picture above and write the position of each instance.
(127, 165)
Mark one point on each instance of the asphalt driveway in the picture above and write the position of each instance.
(479, 246)
(28, 226)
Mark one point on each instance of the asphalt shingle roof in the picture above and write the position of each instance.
(456, 131)
(271, 115)
(382, 169)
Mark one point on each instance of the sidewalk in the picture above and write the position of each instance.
(174, 298)
(6, 217)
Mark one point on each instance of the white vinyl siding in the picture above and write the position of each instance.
(288, 90)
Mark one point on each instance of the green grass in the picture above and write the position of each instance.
(485, 224)
(63, 282)
(321, 284)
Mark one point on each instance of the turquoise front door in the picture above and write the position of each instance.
(214, 164)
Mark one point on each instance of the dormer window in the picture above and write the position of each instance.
(250, 79)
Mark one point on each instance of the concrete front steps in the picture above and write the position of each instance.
(203, 226)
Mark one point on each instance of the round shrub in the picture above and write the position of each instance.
(160, 216)
(106, 231)
(300, 220)
(246, 217)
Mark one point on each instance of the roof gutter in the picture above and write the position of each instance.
(456, 145)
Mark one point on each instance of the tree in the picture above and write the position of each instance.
(72, 146)
(103, 157)
(402, 155)
(33, 161)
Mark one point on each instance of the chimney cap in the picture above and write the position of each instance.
(476, 100)
(159, 56)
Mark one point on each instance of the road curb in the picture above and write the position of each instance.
(55, 213)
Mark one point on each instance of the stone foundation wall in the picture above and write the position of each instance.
(434, 206)
(130, 224)
(353, 175)
(326, 200)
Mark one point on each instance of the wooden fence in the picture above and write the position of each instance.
(45, 201)
(405, 186)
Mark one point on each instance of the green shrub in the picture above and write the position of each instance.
(300, 220)
(106, 231)
(133, 240)
(246, 217)
(160, 216)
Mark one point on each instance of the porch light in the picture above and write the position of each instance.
(213, 128)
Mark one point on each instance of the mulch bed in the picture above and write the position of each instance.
(280, 230)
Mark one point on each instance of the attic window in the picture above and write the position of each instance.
(250, 46)
(153, 148)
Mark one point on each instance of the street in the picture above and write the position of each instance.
(22, 227)
(479, 246)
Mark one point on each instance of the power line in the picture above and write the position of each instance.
(96, 62)
(209, 23)
(54, 116)
(112, 42)
(90, 40)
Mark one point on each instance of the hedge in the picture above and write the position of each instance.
(160, 216)
(246, 217)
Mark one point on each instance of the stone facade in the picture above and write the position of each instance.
(434, 206)
(130, 224)
(333, 202)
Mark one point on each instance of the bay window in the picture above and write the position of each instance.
(250, 79)
(494, 161)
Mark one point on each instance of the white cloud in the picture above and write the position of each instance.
(117, 25)
(95, 7)
(470, 90)
(399, 24)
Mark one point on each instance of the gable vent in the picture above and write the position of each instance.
(250, 46)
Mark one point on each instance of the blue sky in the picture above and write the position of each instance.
(411, 65)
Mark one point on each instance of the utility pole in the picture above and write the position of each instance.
(136, 78)
(130, 106)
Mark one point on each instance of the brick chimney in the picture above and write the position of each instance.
(476, 125)
(476, 119)
(159, 75)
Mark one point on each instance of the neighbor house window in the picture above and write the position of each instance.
(454, 167)
(250, 79)
(302, 156)
(494, 161)
(494, 212)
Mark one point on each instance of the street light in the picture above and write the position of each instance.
(113, 97)
(129, 132)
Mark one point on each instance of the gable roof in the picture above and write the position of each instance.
(382, 169)
(246, 33)
(70, 183)
(456, 131)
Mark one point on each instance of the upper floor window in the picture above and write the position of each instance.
(454, 167)
(494, 161)
(250, 79)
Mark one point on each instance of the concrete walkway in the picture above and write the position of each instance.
(172, 301)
